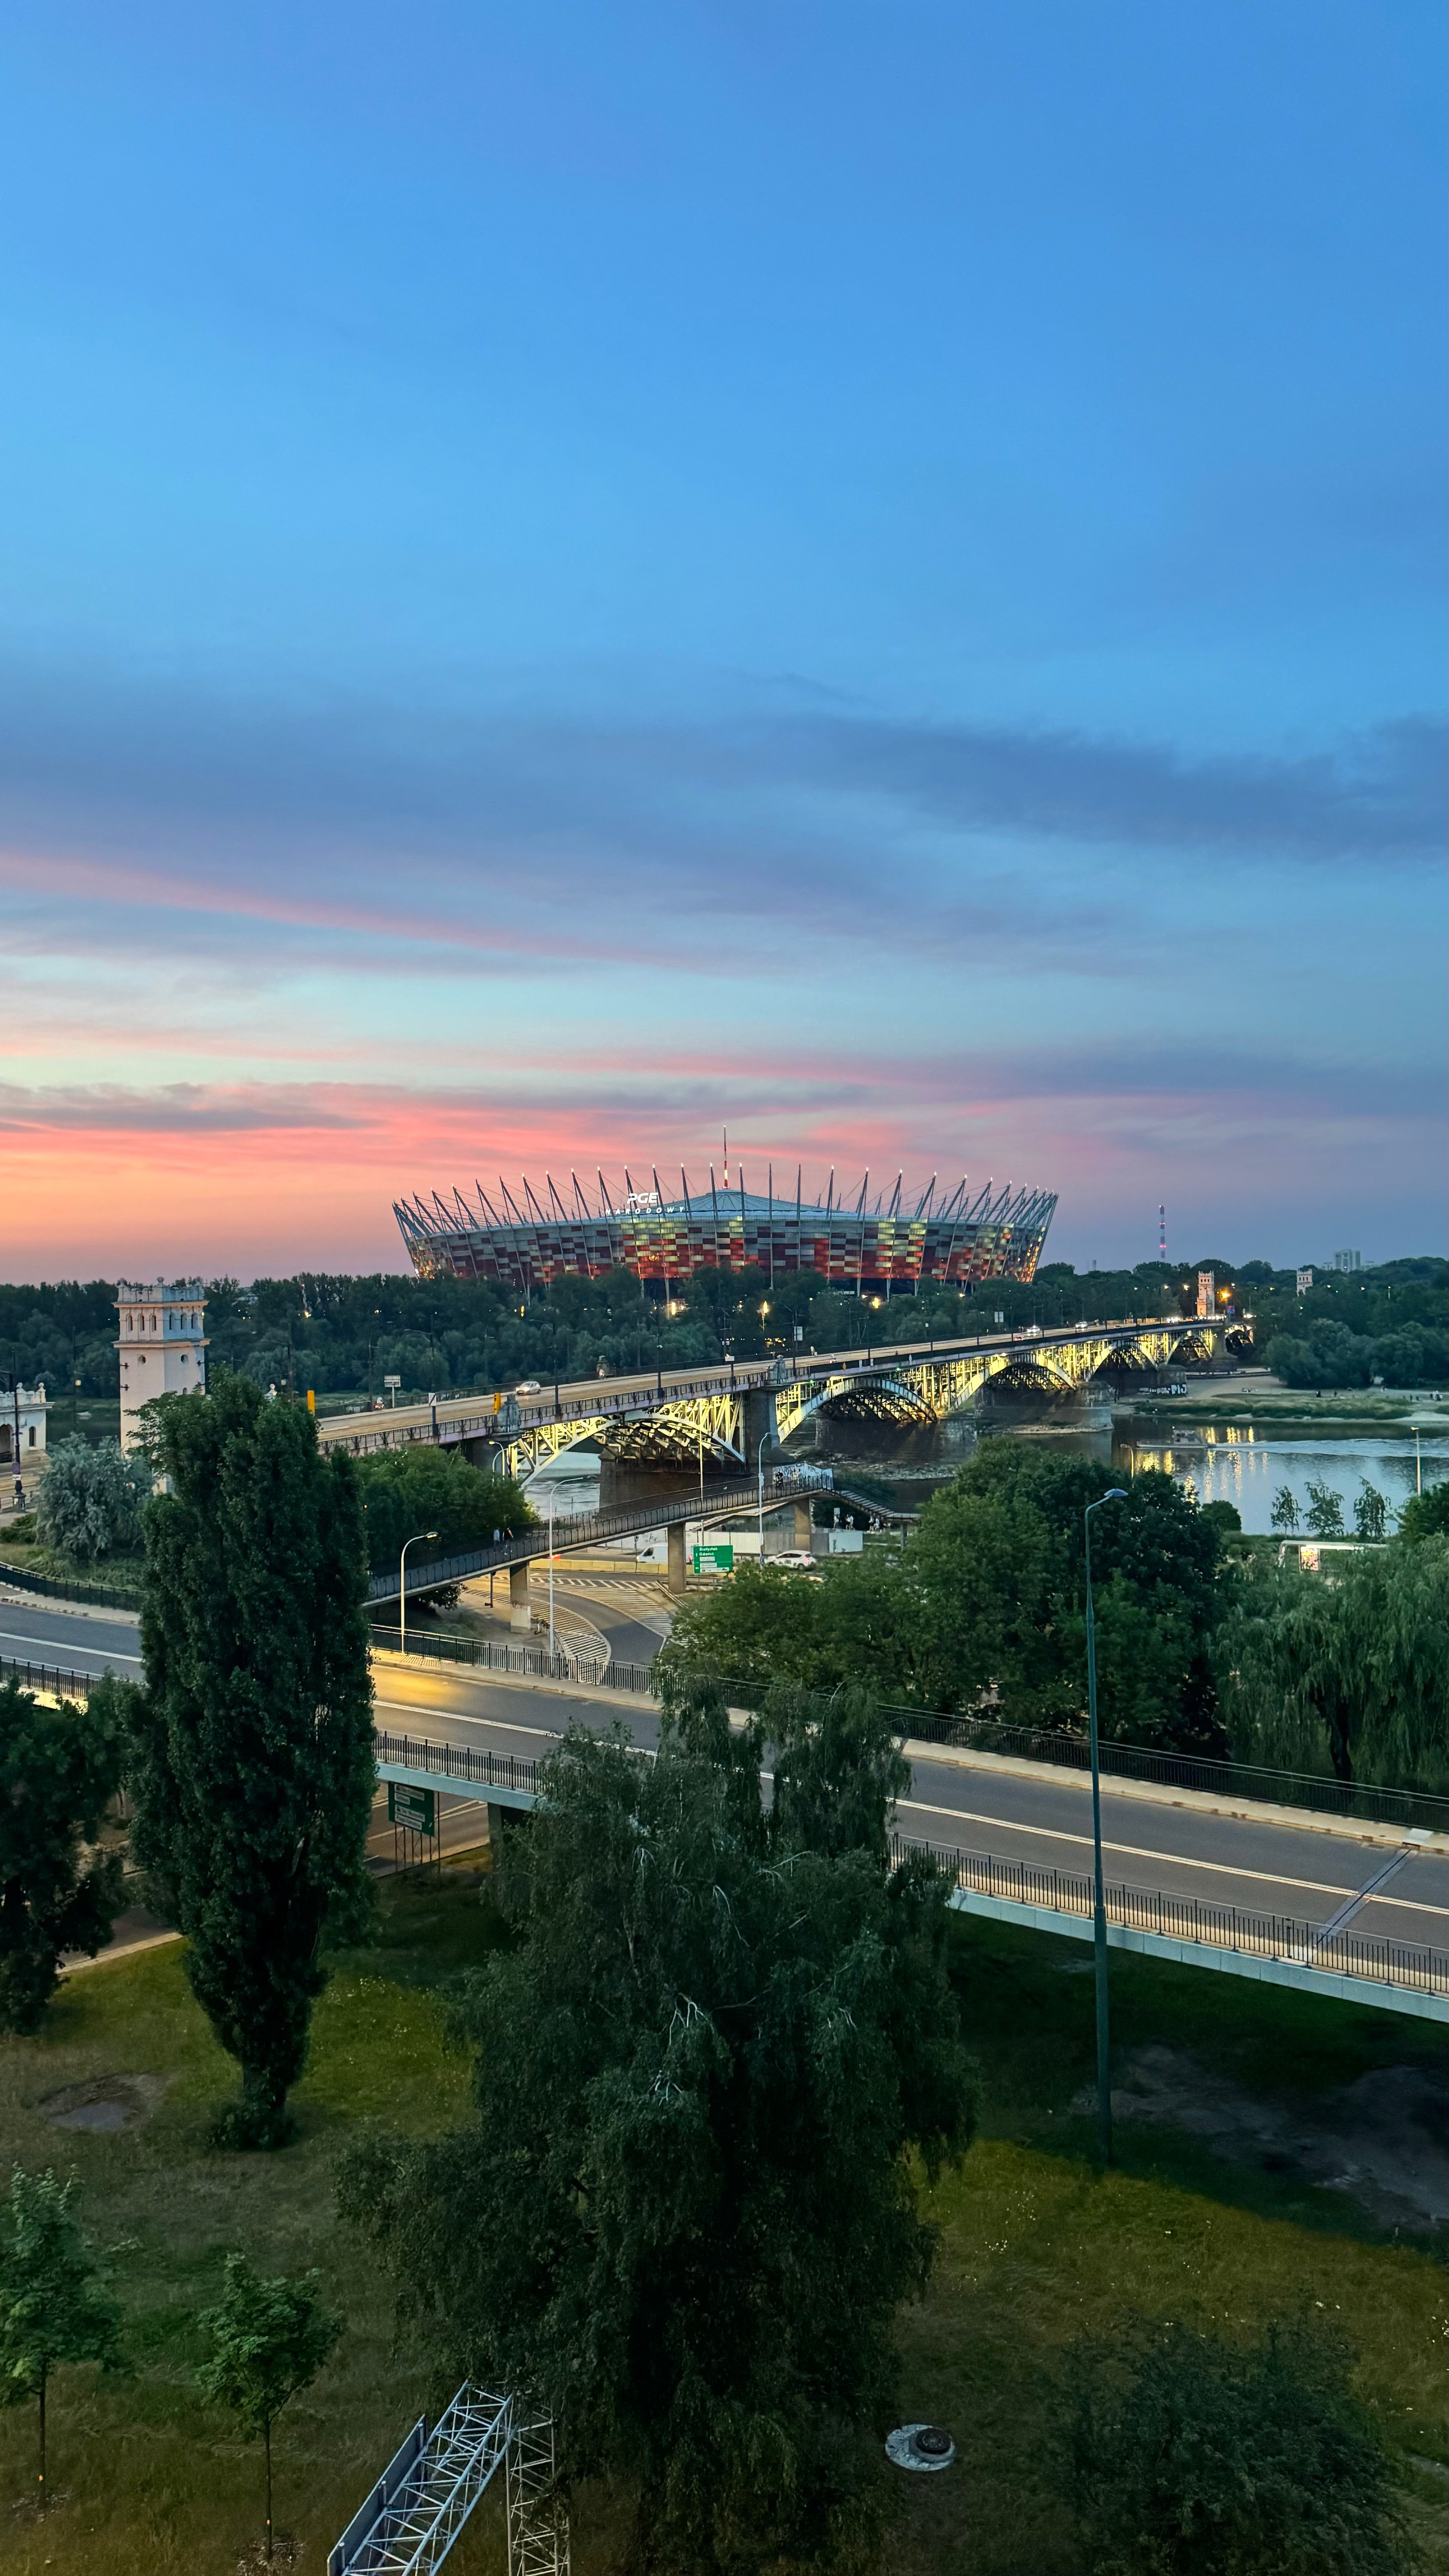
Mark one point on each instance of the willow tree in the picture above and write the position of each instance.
(685, 2210)
(1349, 1674)
(252, 1766)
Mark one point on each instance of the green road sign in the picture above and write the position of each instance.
(717, 1557)
(415, 1808)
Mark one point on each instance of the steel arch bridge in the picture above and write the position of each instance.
(726, 1412)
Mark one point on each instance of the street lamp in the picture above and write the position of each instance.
(402, 1597)
(1099, 1899)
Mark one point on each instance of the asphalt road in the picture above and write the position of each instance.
(1180, 1849)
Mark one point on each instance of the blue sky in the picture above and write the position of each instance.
(873, 573)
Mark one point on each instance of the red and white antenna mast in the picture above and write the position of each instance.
(1162, 1234)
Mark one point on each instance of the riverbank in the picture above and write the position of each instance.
(1255, 1395)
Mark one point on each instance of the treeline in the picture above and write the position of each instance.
(345, 1335)
(1202, 1645)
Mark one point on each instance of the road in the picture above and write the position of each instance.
(1182, 1849)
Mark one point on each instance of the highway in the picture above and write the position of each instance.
(1178, 1845)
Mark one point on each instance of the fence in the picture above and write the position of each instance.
(47, 1678)
(495, 1655)
(1176, 1918)
(104, 1596)
(469, 1765)
(1189, 1918)
(1413, 1808)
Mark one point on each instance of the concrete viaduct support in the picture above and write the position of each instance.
(520, 1614)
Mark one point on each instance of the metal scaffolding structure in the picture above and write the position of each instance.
(408, 2524)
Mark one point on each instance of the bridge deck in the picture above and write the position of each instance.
(506, 1415)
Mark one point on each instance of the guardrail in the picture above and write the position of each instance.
(467, 1764)
(495, 1655)
(1189, 1918)
(106, 1596)
(1416, 1969)
(47, 1677)
(618, 1520)
(1414, 1808)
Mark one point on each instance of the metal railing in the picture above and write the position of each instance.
(468, 1764)
(1416, 1809)
(1192, 1919)
(48, 1678)
(495, 1655)
(618, 1520)
(105, 1596)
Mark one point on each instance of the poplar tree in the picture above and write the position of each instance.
(252, 1766)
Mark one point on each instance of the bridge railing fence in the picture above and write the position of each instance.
(496, 1655)
(1191, 1918)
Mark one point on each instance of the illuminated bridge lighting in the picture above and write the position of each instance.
(856, 1242)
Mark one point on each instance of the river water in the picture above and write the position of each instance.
(1245, 1464)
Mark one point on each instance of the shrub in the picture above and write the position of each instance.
(1193, 2456)
(90, 1499)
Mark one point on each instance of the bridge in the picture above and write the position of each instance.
(726, 1415)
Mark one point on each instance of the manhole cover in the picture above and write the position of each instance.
(920, 2446)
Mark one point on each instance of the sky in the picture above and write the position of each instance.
(860, 570)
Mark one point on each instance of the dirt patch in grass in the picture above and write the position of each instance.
(1384, 2139)
(103, 2103)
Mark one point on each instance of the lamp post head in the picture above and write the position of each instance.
(1114, 1494)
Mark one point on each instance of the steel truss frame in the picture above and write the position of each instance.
(424, 2500)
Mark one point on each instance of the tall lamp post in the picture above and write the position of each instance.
(1099, 1898)
(402, 1597)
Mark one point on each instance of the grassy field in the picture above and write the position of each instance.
(1035, 2247)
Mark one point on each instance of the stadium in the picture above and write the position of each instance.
(857, 1243)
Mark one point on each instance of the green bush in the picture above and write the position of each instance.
(1193, 2456)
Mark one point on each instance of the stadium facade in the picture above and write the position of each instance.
(857, 1243)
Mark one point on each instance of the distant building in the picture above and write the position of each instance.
(22, 1428)
(1348, 1261)
(161, 1343)
(1207, 1292)
(855, 1241)
(1304, 1282)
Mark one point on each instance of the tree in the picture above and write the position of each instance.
(53, 2312)
(1425, 1515)
(251, 1765)
(59, 1770)
(1350, 1676)
(1370, 1511)
(269, 2338)
(1325, 1510)
(684, 2213)
(1191, 2455)
(985, 1606)
(421, 1488)
(90, 1498)
(1285, 1510)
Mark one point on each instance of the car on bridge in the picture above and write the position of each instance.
(528, 1386)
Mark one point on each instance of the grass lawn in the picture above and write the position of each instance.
(1035, 2247)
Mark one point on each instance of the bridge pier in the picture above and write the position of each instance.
(520, 1614)
(802, 1525)
(758, 1427)
(677, 1566)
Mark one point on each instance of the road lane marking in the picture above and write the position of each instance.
(1135, 1851)
(23, 1637)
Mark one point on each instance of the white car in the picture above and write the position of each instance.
(528, 1386)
